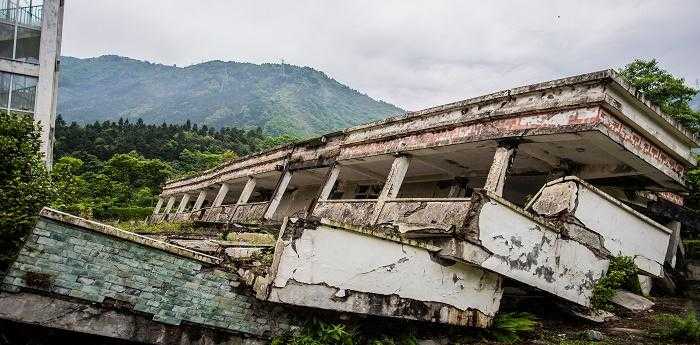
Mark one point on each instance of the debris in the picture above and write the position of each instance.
(623, 330)
(630, 301)
(593, 335)
(644, 284)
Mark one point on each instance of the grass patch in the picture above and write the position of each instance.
(680, 328)
(622, 274)
(508, 327)
(317, 332)
(142, 227)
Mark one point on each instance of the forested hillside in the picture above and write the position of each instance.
(278, 98)
(116, 169)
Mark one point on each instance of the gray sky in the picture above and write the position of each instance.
(414, 54)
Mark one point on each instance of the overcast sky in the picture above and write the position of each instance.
(414, 54)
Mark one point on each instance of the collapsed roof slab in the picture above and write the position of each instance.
(647, 140)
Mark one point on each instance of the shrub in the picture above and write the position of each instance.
(123, 213)
(681, 328)
(317, 333)
(508, 327)
(25, 186)
(622, 274)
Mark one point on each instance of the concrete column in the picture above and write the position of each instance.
(279, 193)
(330, 182)
(392, 185)
(47, 86)
(158, 206)
(221, 195)
(496, 179)
(169, 205)
(183, 203)
(200, 200)
(247, 191)
(673, 242)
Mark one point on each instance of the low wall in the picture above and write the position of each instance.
(69, 257)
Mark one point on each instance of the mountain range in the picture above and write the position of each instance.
(279, 98)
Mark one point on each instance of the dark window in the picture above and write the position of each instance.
(28, 45)
(7, 35)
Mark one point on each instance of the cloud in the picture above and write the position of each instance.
(414, 54)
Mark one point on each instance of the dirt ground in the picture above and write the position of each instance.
(558, 327)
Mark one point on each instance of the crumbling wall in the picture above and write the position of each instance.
(70, 261)
(340, 269)
(623, 230)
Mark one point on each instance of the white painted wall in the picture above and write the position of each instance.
(347, 260)
(624, 233)
(530, 253)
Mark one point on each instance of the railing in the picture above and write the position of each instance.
(348, 211)
(25, 13)
(435, 211)
(244, 213)
(249, 213)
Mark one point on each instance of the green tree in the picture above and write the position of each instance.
(25, 185)
(660, 87)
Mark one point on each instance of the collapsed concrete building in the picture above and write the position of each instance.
(422, 216)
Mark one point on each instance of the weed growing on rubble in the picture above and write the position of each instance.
(141, 227)
(318, 332)
(681, 328)
(622, 273)
(508, 327)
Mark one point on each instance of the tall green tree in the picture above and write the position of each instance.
(662, 88)
(25, 186)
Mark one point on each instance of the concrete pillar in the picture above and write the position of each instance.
(496, 179)
(673, 242)
(392, 185)
(183, 203)
(47, 85)
(247, 191)
(221, 195)
(169, 205)
(279, 193)
(200, 200)
(330, 182)
(158, 206)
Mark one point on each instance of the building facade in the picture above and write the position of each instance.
(30, 48)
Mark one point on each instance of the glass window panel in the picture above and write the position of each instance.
(28, 41)
(23, 93)
(7, 34)
(4, 89)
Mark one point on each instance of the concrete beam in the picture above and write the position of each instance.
(169, 205)
(221, 195)
(330, 182)
(158, 206)
(673, 242)
(200, 200)
(496, 179)
(183, 203)
(115, 322)
(279, 193)
(393, 184)
(247, 191)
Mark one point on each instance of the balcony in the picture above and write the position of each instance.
(22, 12)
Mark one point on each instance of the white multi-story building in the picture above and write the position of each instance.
(30, 48)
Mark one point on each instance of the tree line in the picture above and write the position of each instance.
(115, 169)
